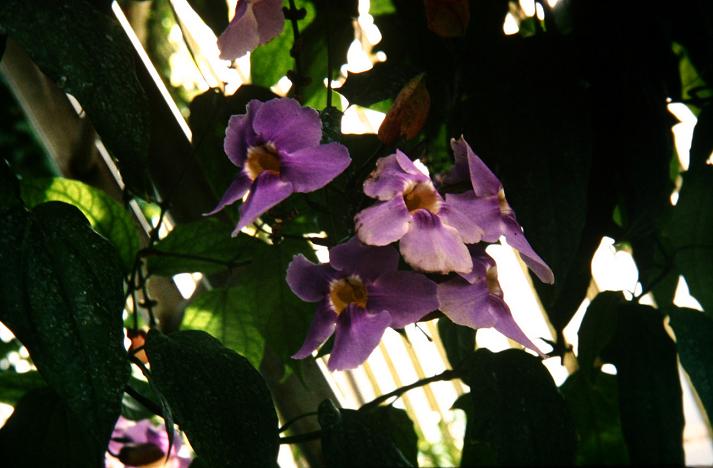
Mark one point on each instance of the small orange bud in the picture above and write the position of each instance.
(409, 112)
(447, 18)
(138, 340)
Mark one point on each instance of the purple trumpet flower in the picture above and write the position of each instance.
(487, 207)
(475, 300)
(276, 146)
(432, 234)
(255, 23)
(143, 444)
(359, 294)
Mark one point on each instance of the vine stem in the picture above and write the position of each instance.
(295, 419)
(293, 14)
(306, 437)
(449, 374)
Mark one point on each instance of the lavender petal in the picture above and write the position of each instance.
(408, 296)
(308, 281)
(483, 212)
(239, 134)
(322, 327)
(368, 262)
(505, 323)
(358, 334)
(516, 239)
(383, 222)
(235, 192)
(241, 35)
(467, 228)
(270, 19)
(312, 168)
(289, 126)
(464, 303)
(484, 181)
(267, 191)
(390, 179)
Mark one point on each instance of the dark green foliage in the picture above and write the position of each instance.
(598, 327)
(694, 341)
(649, 388)
(594, 403)
(384, 81)
(44, 432)
(91, 58)
(217, 398)
(213, 12)
(382, 436)
(459, 341)
(13, 385)
(516, 416)
(61, 286)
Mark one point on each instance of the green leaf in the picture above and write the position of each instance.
(42, 431)
(458, 341)
(594, 403)
(382, 436)
(106, 216)
(9, 188)
(224, 314)
(598, 328)
(694, 341)
(702, 142)
(204, 246)
(691, 232)
(650, 403)
(89, 56)
(384, 81)
(13, 385)
(272, 61)
(214, 13)
(381, 7)
(517, 417)
(217, 397)
(61, 294)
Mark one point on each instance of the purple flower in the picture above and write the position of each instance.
(141, 443)
(487, 207)
(475, 300)
(275, 144)
(432, 235)
(255, 23)
(359, 293)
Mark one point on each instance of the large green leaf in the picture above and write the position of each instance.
(106, 216)
(691, 231)
(204, 246)
(223, 314)
(381, 436)
(515, 414)
(42, 431)
(598, 328)
(61, 294)
(694, 342)
(13, 385)
(384, 81)
(458, 341)
(217, 397)
(89, 56)
(593, 401)
(650, 404)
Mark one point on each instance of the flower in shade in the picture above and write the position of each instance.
(475, 300)
(255, 23)
(276, 147)
(143, 444)
(487, 207)
(359, 294)
(432, 235)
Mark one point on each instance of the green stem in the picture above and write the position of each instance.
(296, 439)
(449, 374)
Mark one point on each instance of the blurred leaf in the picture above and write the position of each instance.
(702, 143)
(694, 341)
(90, 57)
(458, 341)
(204, 246)
(594, 404)
(217, 397)
(381, 436)
(517, 416)
(691, 232)
(409, 112)
(42, 431)
(448, 18)
(13, 385)
(223, 314)
(214, 13)
(272, 61)
(383, 81)
(381, 7)
(106, 216)
(598, 328)
(650, 404)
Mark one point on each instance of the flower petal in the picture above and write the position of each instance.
(358, 333)
(406, 295)
(484, 181)
(312, 168)
(288, 125)
(483, 212)
(432, 246)
(270, 19)
(308, 281)
(322, 327)
(239, 135)
(516, 239)
(241, 35)
(466, 226)
(235, 192)
(383, 222)
(392, 175)
(267, 191)
(353, 257)
(505, 323)
(464, 303)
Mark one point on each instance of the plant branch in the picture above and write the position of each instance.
(150, 251)
(146, 402)
(296, 439)
(295, 419)
(297, 77)
(449, 374)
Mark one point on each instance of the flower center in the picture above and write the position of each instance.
(422, 196)
(262, 158)
(491, 276)
(345, 291)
